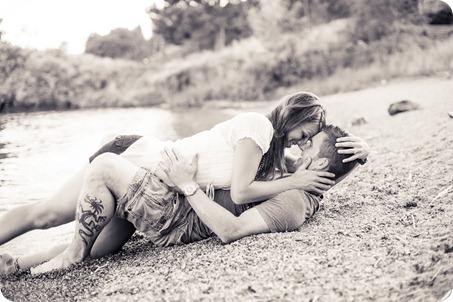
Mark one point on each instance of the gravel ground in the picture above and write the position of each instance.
(384, 234)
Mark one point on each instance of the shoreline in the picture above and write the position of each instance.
(226, 104)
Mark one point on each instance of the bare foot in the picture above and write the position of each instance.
(7, 265)
(60, 261)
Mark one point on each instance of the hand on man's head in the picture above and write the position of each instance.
(312, 180)
(301, 164)
(354, 146)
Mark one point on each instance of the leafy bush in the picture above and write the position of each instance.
(37, 80)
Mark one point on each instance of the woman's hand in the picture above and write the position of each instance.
(353, 145)
(178, 169)
(312, 181)
(291, 162)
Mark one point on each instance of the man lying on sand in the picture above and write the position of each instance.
(167, 217)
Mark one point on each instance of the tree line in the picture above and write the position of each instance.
(213, 24)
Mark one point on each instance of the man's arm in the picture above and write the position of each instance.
(224, 224)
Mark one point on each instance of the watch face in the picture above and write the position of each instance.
(190, 189)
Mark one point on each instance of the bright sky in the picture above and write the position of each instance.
(45, 24)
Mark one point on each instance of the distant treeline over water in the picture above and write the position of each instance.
(343, 45)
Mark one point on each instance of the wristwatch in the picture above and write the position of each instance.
(190, 189)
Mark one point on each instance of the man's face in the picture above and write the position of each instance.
(311, 149)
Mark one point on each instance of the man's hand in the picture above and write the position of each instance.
(312, 181)
(178, 169)
(353, 145)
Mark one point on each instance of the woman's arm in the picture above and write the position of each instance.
(244, 188)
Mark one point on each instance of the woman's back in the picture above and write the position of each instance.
(215, 148)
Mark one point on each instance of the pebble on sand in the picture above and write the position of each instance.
(402, 106)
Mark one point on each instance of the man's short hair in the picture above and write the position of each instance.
(329, 151)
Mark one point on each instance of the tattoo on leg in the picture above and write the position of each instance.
(90, 219)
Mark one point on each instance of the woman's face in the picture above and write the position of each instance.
(301, 134)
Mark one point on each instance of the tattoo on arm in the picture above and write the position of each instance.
(91, 218)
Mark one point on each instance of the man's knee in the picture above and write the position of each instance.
(102, 166)
(112, 171)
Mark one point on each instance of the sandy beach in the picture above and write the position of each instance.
(384, 234)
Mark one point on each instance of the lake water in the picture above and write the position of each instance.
(39, 151)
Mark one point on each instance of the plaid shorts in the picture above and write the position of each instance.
(154, 209)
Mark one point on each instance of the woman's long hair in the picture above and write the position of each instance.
(292, 111)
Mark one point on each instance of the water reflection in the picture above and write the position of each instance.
(190, 121)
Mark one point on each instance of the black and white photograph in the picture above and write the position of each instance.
(226, 150)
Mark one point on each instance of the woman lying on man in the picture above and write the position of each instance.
(245, 154)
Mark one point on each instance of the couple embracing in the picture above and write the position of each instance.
(234, 180)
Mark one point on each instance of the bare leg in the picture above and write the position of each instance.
(112, 238)
(28, 261)
(107, 178)
(57, 210)
(114, 235)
